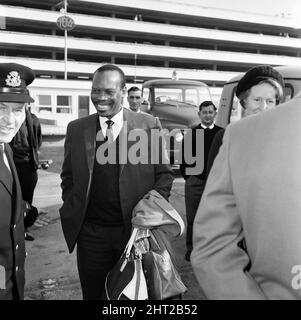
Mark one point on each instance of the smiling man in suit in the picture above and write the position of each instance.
(99, 197)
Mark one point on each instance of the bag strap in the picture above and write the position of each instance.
(138, 270)
(130, 243)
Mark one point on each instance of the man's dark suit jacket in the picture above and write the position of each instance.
(134, 182)
(12, 244)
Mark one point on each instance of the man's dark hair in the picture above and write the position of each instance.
(113, 67)
(133, 89)
(207, 104)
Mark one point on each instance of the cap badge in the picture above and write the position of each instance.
(13, 79)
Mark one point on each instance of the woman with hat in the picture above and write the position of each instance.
(260, 89)
(247, 227)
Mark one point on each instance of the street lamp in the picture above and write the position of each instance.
(65, 23)
(138, 17)
(135, 57)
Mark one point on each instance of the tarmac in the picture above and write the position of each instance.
(51, 272)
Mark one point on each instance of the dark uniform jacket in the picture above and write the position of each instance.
(34, 141)
(12, 245)
(135, 180)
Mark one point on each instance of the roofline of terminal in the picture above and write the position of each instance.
(192, 10)
(151, 28)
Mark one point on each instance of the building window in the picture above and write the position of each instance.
(44, 103)
(64, 104)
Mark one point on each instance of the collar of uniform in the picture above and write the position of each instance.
(210, 127)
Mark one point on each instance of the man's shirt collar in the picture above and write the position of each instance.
(116, 127)
(210, 127)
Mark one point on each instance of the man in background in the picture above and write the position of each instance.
(195, 184)
(135, 99)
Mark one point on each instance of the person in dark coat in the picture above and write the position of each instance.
(14, 95)
(25, 146)
(195, 183)
(99, 197)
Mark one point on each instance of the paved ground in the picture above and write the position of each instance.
(51, 272)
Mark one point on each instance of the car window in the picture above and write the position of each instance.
(288, 92)
(145, 94)
(182, 97)
(168, 95)
(236, 110)
(191, 96)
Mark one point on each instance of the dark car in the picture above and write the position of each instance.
(175, 103)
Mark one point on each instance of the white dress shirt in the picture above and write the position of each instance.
(4, 157)
(210, 127)
(116, 127)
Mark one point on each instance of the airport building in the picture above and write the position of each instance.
(148, 39)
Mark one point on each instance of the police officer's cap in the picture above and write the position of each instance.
(14, 79)
(257, 74)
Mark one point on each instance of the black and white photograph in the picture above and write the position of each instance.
(150, 150)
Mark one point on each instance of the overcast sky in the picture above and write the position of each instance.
(271, 7)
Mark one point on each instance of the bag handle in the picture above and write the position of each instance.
(130, 243)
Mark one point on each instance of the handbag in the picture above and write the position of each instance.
(126, 281)
(163, 279)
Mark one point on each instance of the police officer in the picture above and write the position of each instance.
(14, 79)
(25, 146)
